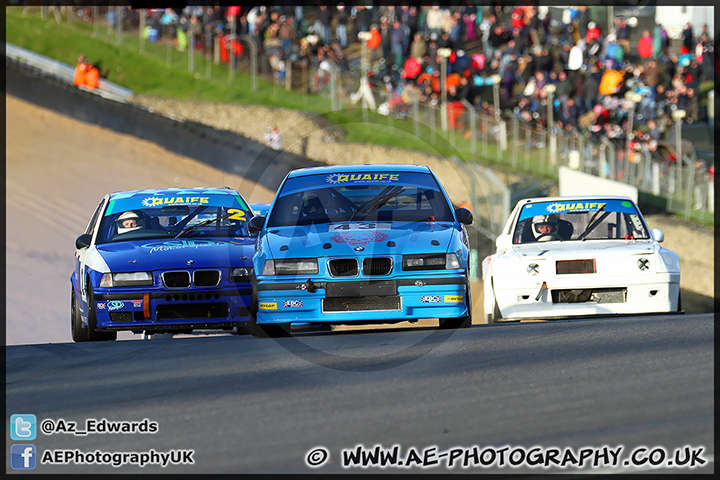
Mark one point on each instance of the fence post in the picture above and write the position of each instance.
(711, 195)
(288, 74)
(514, 140)
(528, 141)
(118, 24)
(96, 19)
(655, 178)
(671, 187)
(191, 51)
(473, 131)
(416, 115)
(253, 63)
(166, 35)
(231, 47)
(432, 125)
(691, 184)
(486, 139)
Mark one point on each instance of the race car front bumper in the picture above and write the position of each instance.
(359, 301)
(654, 293)
(165, 310)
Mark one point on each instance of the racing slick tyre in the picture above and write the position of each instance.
(679, 307)
(263, 331)
(79, 334)
(94, 336)
(496, 314)
(271, 330)
(460, 322)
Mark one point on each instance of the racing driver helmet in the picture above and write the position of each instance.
(122, 221)
(543, 225)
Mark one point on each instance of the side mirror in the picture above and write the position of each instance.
(464, 215)
(502, 242)
(256, 223)
(83, 241)
(658, 235)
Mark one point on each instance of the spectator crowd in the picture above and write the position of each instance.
(587, 80)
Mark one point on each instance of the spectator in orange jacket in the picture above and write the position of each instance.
(374, 41)
(92, 77)
(610, 82)
(80, 71)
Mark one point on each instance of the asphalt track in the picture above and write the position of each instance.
(246, 404)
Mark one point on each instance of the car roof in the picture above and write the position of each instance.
(177, 191)
(571, 198)
(375, 167)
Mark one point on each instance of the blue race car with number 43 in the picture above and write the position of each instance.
(360, 244)
(163, 260)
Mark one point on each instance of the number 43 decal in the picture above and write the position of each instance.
(362, 226)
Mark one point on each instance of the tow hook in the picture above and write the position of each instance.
(310, 286)
(542, 288)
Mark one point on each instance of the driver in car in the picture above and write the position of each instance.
(545, 227)
(128, 221)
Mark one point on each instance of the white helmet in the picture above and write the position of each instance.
(550, 220)
(129, 215)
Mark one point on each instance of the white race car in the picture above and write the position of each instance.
(579, 256)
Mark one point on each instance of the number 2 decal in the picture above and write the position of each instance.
(236, 214)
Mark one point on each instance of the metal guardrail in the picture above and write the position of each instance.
(64, 72)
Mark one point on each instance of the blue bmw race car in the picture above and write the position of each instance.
(361, 244)
(163, 260)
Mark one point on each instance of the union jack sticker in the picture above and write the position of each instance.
(430, 299)
(292, 303)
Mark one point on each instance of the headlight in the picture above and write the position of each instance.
(127, 279)
(240, 274)
(290, 266)
(436, 261)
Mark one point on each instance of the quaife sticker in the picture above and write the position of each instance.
(268, 305)
(575, 207)
(336, 178)
(454, 298)
(161, 201)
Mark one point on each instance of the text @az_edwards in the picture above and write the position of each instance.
(95, 426)
(513, 457)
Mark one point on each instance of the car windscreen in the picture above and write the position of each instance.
(612, 219)
(141, 217)
(366, 196)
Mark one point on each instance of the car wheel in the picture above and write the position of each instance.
(265, 330)
(94, 336)
(271, 330)
(79, 334)
(460, 322)
(495, 316)
(679, 307)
